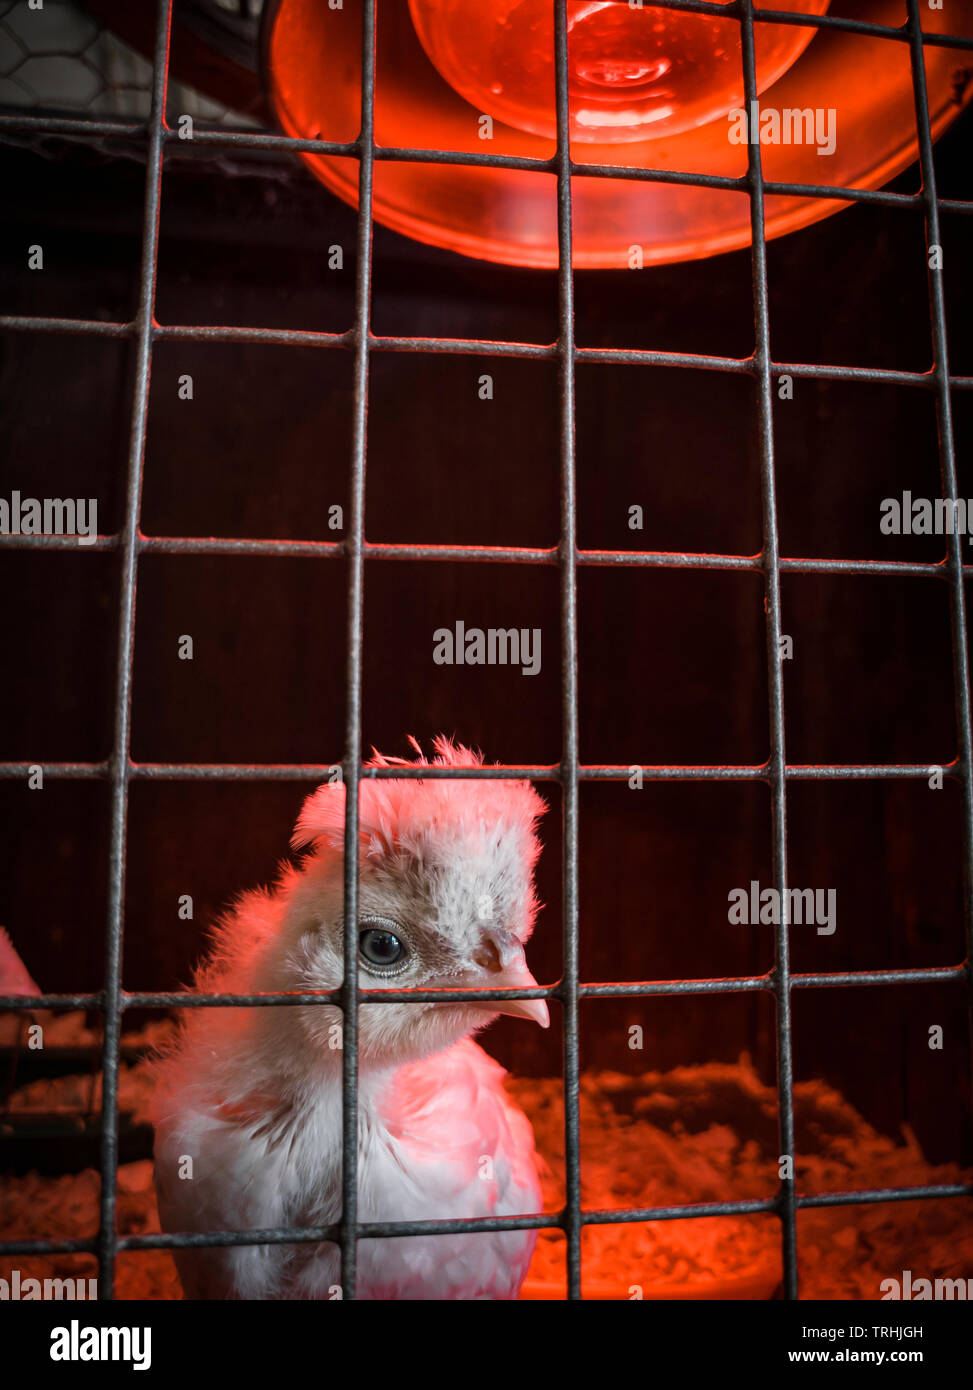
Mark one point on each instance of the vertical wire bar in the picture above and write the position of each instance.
(567, 563)
(352, 757)
(120, 762)
(947, 466)
(775, 678)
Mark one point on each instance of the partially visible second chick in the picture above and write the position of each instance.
(248, 1102)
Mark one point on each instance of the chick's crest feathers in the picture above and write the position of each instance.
(399, 814)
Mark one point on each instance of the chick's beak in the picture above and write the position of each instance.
(535, 1009)
(506, 968)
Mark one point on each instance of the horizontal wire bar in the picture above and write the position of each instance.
(886, 1194)
(607, 990)
(20, 122)
(629, 173)
(484, 554)
(847, 26)
(836, 979)
(744, 1207)
(544, 352)
(878, 376)
(304, 1235)
(89, 328)
(741, 184)
(535, 772)
(394, 154)
(227, 333)
(73, 1246)
(268, 141)
(751, 983)
(479, 347)
(467, 347)
(880, 197)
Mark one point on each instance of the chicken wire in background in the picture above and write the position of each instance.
(63, 58)
(120, 770)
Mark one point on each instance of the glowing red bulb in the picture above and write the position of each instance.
(648, 87)
(634, 73)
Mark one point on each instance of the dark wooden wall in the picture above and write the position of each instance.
(671, 662)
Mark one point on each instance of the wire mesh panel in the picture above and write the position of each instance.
(120, 770)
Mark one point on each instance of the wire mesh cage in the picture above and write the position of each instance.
(114, 112)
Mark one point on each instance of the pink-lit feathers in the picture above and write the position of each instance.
(248, 1104)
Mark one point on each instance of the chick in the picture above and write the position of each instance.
(247, 1105)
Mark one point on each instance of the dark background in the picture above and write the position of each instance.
(671, 661)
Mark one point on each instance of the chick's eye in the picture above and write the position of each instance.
(381, 948)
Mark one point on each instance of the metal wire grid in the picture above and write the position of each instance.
(120, 770)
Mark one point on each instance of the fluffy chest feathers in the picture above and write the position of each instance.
(438, 1139)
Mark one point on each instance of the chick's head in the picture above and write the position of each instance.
(446, 901)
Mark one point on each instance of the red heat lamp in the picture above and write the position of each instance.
(650, 88)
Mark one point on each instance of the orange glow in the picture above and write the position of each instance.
(694, 1134)
(635, 74)
(313, 58)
